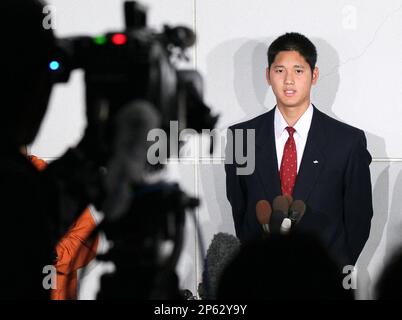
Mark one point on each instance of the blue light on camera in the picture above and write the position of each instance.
(54, 65)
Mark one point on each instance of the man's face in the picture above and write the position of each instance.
(291, 79)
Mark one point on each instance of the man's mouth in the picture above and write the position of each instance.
(290, 93)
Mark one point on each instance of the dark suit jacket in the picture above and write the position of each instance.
(336, 190)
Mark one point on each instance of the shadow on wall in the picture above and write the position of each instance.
(380, 209)
(235, 72)
(324, 92)
(235, 77)
(324, 95)
(217, 208)
(236, 84)
(250, 86)
(393, 240)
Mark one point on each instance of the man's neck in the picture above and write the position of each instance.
(292, 114)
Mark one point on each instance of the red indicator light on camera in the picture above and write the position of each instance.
(119, 39)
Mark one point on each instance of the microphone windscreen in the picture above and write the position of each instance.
(297, 210)
(220, 253)
(263, 211)
(289, 198)
(299, 206)
(276, 220)
(281, 203)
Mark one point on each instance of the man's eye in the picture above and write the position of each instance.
(278, 70)
(299, 71)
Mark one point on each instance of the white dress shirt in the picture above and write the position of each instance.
(302, 128)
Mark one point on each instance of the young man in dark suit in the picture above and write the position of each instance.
(302, 152)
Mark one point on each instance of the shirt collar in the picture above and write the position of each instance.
(302, 126)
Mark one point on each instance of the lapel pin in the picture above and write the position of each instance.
(315, 161)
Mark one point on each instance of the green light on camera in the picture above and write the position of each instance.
(100, 40)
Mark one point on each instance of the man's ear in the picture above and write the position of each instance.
(267, 76)
(316, 73)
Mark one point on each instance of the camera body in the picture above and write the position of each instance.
(135, 64)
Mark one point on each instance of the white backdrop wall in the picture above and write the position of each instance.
(359, 47)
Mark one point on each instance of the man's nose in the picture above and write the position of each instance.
(289, 79)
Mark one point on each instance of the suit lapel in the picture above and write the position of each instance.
(313, 159)
(266, 158)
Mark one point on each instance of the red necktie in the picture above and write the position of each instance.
(288, 171)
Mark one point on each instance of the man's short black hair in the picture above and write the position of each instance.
(293, 41)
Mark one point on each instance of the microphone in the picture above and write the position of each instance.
(286, 223)
(220, 253)
(280, 212)
(296, 211)
(285, 226)
(289, 198)
(263, 211)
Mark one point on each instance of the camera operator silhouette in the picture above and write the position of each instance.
(37, 207)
